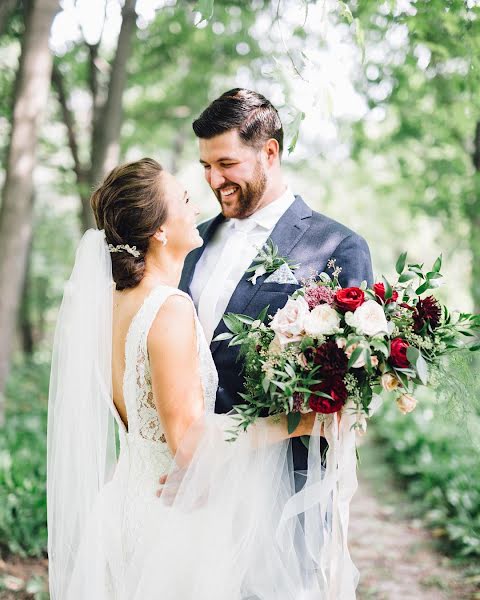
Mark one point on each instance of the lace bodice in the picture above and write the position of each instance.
(143, 420)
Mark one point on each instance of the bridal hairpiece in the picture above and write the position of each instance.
(124, 248)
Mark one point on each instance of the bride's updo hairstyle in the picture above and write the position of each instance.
(130, 206)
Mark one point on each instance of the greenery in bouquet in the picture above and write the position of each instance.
(333, 349)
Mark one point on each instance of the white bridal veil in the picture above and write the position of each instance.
(229, 525)
(81, 438)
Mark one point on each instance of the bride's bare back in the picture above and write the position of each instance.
(126, 304)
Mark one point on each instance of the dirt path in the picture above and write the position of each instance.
(18, 575)
(393, 552)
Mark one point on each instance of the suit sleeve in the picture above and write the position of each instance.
(353, 256)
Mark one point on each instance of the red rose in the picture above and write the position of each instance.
(379, 290)
(349, 299)
(398, 353)
(335, 387)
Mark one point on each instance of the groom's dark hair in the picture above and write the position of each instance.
(251, 114)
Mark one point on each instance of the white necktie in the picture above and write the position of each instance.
(218, 280)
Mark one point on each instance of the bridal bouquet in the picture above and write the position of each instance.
(334, 349)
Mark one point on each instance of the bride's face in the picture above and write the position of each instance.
(180, 227)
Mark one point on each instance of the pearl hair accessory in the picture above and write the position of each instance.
(124, 248)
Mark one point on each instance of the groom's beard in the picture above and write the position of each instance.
(249, 195)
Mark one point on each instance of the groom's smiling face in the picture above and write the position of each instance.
(236, 172)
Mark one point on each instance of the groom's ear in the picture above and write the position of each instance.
(272, 151)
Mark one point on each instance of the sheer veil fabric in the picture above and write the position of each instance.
(229, 525)
(81, 438)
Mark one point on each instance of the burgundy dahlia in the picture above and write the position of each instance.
(336, 388)
(332, 360)
(319, 294)
(427, 311)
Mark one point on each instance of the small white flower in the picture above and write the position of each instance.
(323, 320)
(259, 271)
(368, 319)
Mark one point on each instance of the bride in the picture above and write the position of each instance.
(129, 352)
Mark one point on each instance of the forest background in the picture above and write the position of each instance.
(381, 106)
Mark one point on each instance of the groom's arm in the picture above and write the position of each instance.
(353, 256)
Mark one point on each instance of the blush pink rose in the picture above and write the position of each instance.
(289, 322)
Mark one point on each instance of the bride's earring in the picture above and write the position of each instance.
(164, 241)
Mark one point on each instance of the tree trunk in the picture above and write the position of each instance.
(25, 320)
(6, 9)
(33, 81)
(106, 138)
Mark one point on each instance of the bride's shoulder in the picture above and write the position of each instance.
(174, 322)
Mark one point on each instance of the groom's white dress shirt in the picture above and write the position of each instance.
(227, 256)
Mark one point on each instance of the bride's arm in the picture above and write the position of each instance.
(176, 384)
(173, 357)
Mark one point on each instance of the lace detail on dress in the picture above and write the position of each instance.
(142, 414)
(144, 454)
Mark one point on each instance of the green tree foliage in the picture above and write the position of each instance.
(422, 85)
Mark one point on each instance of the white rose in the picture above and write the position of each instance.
(368, 319)
(406, 403)
(323, 320)
(288, 323)
(389, 382)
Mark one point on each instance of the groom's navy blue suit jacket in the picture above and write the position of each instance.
(307, 238)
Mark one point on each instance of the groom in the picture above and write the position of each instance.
(241, 141)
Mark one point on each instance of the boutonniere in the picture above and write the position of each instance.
(268, 261)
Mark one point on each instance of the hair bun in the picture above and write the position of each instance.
(130, 206)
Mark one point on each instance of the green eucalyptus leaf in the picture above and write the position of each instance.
(438, 264)
(423, 288)
(422, 369)
(407, 276)
(412, 354)
(263, 314)
(265, 384)
(293, 420)
(355, 355)
(388, 288)
(223, 336)
(401, 261)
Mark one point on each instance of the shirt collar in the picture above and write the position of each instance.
(268, 216)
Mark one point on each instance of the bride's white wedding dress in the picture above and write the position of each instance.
(128, 502)
(229, 525)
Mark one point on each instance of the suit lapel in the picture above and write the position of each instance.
(286, 234)
(194, 256)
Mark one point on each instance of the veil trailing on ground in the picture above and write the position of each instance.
(81, 437)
